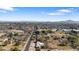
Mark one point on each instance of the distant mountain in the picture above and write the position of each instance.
(69, 21)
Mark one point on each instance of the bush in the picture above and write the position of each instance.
(16, 34)
(42, 47)
(72, 38)
(14, 49)
(43, 31)
(49, 31)
(62, 44)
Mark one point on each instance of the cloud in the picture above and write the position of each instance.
(55, 13)
(65, 11)
(6, 5)
(6, 9)
(61, 12)
(3, 11)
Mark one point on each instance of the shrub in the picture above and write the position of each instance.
(14, 49)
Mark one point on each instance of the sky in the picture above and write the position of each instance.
(42, 14)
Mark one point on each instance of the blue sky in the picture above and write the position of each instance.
(39, 14)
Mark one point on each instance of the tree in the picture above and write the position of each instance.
(73, 41)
